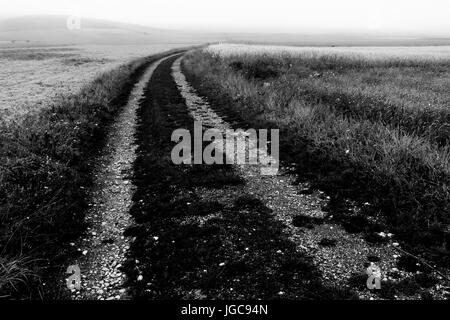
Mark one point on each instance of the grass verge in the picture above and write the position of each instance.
(404, 176)
(45, 174)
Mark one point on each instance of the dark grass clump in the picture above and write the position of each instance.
(259, 70)
(327, 242)
(44, 177)
(248, 202)
(358, 281)
(425, 280)
(372, 258)
(351, 221)
(78, 61)
(410, 264)
(375, 238)
(388, 290)
(426, 296)
(301, 221)
(306, 191)
(408, 287)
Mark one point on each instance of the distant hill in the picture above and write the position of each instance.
(53, 30)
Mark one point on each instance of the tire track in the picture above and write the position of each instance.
(104, 246)
(341, 257)
(226, 231)
(199, 232)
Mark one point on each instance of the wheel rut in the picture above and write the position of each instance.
(341, 257)
(200, 231)
(165, 231)
(104, 245)
(345, 256)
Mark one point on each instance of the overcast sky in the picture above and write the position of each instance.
(417, 16)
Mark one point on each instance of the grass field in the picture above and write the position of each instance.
(370, 124)
(32, 77)
(45, 171)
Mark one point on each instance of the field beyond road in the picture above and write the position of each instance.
(32, 77)
(367, 124)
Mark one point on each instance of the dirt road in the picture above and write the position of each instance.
(160, 230)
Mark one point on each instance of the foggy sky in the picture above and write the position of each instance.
(384, 16)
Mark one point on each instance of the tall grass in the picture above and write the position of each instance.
(404, 173)
(45, 174)
(410, 95)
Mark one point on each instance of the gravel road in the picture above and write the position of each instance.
(139, 214)
(104, 246)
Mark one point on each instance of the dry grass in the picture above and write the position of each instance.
(368, 53)
(45, 175)
(32, 78)
(401, 88)
(372, 127)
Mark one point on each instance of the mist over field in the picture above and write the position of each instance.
(52, 30)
